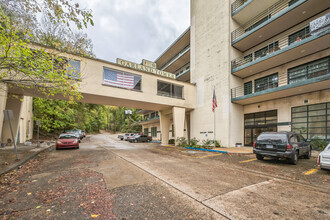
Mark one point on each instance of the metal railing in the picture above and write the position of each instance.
(149, 119)
(237, 4)
(275, 45)
(261, 18)
(280, 80)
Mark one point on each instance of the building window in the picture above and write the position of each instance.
(310, 70)
(154, 131)
(73, 69)
(258, 23)
(270, 48)
(121, 79)
(248, 88)
(292, 2)
(312, 121)
(299, 35)
(169, 89)
(256, 123)
(265, 83)
(146, 131)
(153, 115)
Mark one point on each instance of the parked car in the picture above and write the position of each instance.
(139, 138)
(120, 137)
(84, 133)
(127, 135)
(76, 131)
(283, 144)
(324, 158)
(67, 140)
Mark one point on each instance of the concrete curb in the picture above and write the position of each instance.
(24, 160)
(210, 150)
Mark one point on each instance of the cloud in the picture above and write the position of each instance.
(135, 29)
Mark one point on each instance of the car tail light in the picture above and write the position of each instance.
(288, 147)
(318, 160)
(254, 144)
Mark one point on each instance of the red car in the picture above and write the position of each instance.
(67, 141)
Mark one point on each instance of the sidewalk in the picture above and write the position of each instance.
(237, 150)
(8, 157)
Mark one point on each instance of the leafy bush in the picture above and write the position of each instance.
(207, 144)
(217, 143)
(318, 143)
(181, 142)
(171, 141)
(193, 142)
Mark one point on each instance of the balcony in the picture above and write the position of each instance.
(150, 120)
(275, 19)
(279, 87)
(294, 45)
(244, 10)
(178, 60)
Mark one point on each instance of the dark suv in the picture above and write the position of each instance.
(284, 144)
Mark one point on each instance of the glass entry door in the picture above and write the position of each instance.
(256, 123)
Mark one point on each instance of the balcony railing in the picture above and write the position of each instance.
(237, 4)
(279, 81)
(300, 33)
(261, 18)
(150, 119)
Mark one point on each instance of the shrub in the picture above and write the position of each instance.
(181, 142)
(318, 143)
(171, 141)
(207, 143)
(193, 142)
(217, 143)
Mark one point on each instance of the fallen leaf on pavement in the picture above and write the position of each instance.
(94, 216)
(29, 194)
(38, 207)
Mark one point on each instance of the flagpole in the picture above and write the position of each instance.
(214, 123)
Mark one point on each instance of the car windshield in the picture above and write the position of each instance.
(67, 136)
(281, 138)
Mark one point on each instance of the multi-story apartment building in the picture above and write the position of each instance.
(268, 66)
(175, 59)
(269, 69)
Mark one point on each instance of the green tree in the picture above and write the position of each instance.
(27, 67)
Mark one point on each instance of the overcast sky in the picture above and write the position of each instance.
(135, 29)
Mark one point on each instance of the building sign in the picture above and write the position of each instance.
(145, 68)
(149, 63)
(320, 24)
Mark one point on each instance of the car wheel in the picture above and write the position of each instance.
(259, 157)
(309, 154)
(294, 159)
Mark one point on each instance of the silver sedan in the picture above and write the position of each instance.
(324, 158)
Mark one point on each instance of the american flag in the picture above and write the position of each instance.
(214, 101)
(118, 79)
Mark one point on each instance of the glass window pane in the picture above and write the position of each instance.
(316, 107)
(316, 118)
(316, 124)
(266, 83)
(299, 109)
(120, 79)
(164, 88)
(73, 68)
(316, 113)
(299, 114)
(299, 120)
(177, 91)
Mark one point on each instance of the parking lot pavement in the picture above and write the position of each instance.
(111, 179)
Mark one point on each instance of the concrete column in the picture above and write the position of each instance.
(179, 122)
(3, 100)
(164, 126)
(15, 104)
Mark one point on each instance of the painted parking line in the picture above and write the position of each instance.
(246, 161)
(212, 155)
(311, 171)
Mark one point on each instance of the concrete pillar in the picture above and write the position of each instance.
(15, 104)
(164, 126)
(3, 100)
(179, 122)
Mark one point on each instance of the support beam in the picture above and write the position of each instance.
(3, 101)
(164, 126)
(15, 104)
(179, 122)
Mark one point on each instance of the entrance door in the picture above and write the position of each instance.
(146, 131)
(256, 123)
